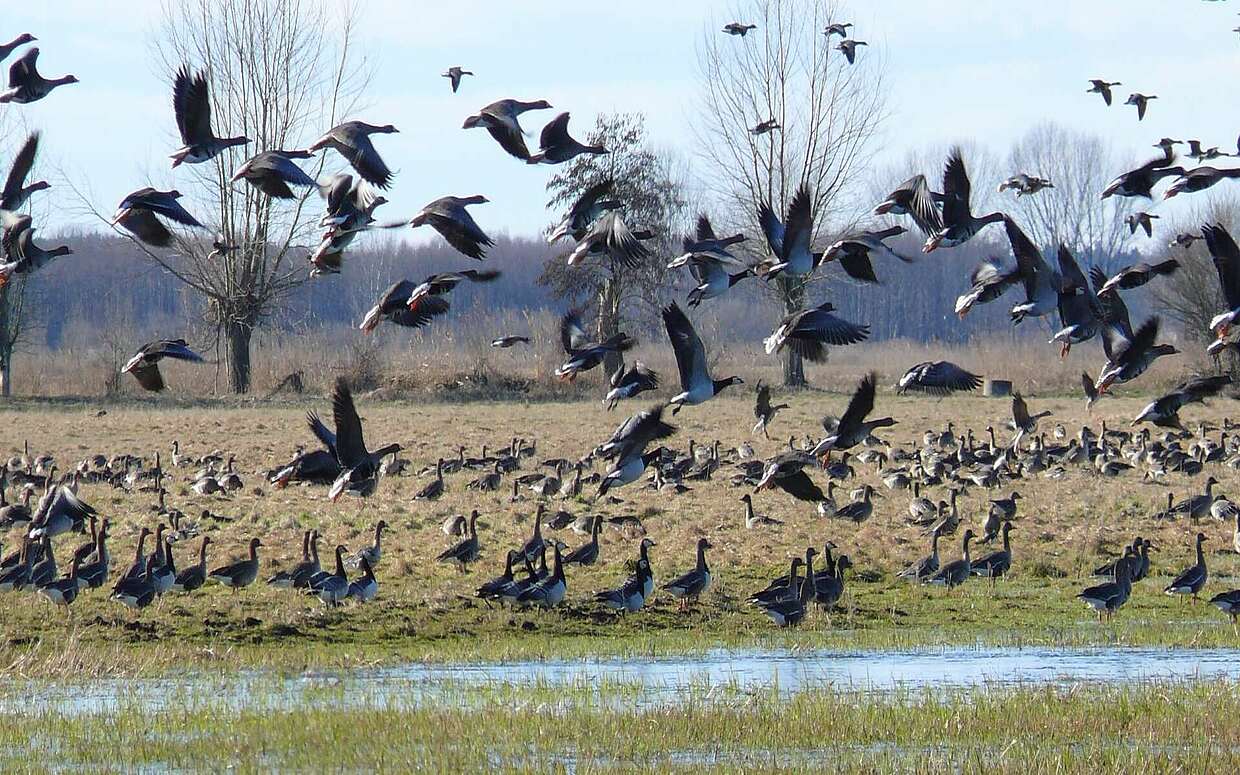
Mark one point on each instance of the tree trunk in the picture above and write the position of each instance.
(793, 293)
(6, 377)
(237, 338)
(609, 321)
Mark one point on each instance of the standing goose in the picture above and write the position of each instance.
(448, 216)
(454, 76)
(145, 365)
(273, 172)
(587, 553)
(137, 591)
(632, 594)
(466, 551)
(852, 428)
(549, 592)
(927, 566)
(583, 354)
(630, 382)
(1193, 578)
(16, 193)
(299, 574)
(352, 141)
(18, 244)
(333, 587)
(492, 589)
(366, 588)
(955, 573)
(137, 215)
(501, 120)
(241, 573)
(393, 306)
(763, 410)
(941, 378)
(859, 510)
(1108, 598)
(959, 223)
(555, 146)
(534, 545)
(807, 332)
(829, 585)
(63, 591)
(696, 384)
(690, 586)
(191, 103)
(359, 467)
(25, 83)
(754, 520)
(435, 488)
(194, 576)
(996, 564)
(374, 552)
(587, 209)
(789, 611)
(790, 242)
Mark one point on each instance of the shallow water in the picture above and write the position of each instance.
(641, 681)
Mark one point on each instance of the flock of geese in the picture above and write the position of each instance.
(1087, 305)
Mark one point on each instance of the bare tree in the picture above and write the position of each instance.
(280, 72)
(647, 184)
(827, 110)
(1078, 164)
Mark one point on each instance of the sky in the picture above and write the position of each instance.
(956, 70)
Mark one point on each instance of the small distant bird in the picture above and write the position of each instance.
(849, 47)
(448, 216)
(25, 83)
(763, 410)
(1024, 184)
(1140, 220)
(1098, 86)
(191, 102)
(556, 146)
(509, 341)
(145, 365)
(454, 77)
(352, 141)
(1195, 151)
(837, 28)
(764, 127)
(137, 215)
(1141, 101)
(629, 382)
(736, 28)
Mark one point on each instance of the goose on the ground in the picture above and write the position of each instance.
(587, 553)
(374, 552)
(359, 467)
(1108, 598)
(333, 588)
(997, 563)
(956, 572)
(549, 592)
(466, 551)
(194, 576)
(241, 573)
(364, 589)
(1193, 578)
(689, 587)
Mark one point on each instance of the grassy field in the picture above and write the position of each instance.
(1146, 727)
(425, 610)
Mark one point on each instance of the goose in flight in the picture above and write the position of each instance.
(696, 384)
(145, 365)
(191, 102)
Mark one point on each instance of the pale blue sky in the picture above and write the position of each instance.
(957, 70)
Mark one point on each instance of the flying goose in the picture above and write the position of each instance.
(1193, 578)
(790, 241)
(352, 141)
(1042, 284)
(807, 332)
(587, 209)
(737, 28)
(1024, 184)
(393, 306)
(630, 382)
(509, 341)
(1136, 275)
(8, 48)
(696, 384)
(1099, 86)
(273, 172)
(1128, 358)
(610, 236)
(238, 574)
(144, 366)
(837, 28)
(350, 210)
(1140, 181)
(938, 378)
(987, 282)
(555, 146)
(854, 252)
(448, 216)
(443, 283)
(454, 76)
(1141, 220)
(959, 223)
(359, 467)
(764, 127)
(690, 586)
(1199, 179)
(501, 120)
(16, 193)
(786, 471)
(18, 245)
(1141, 101)
(914, 198)
(763, 410)
(1226, 256)
(1081, 314)
(192, 105)
(1164, 410)
(852, 428)
(627, 448)
(849, 47)
(25, 83)
(137, 213)
(583, 354)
